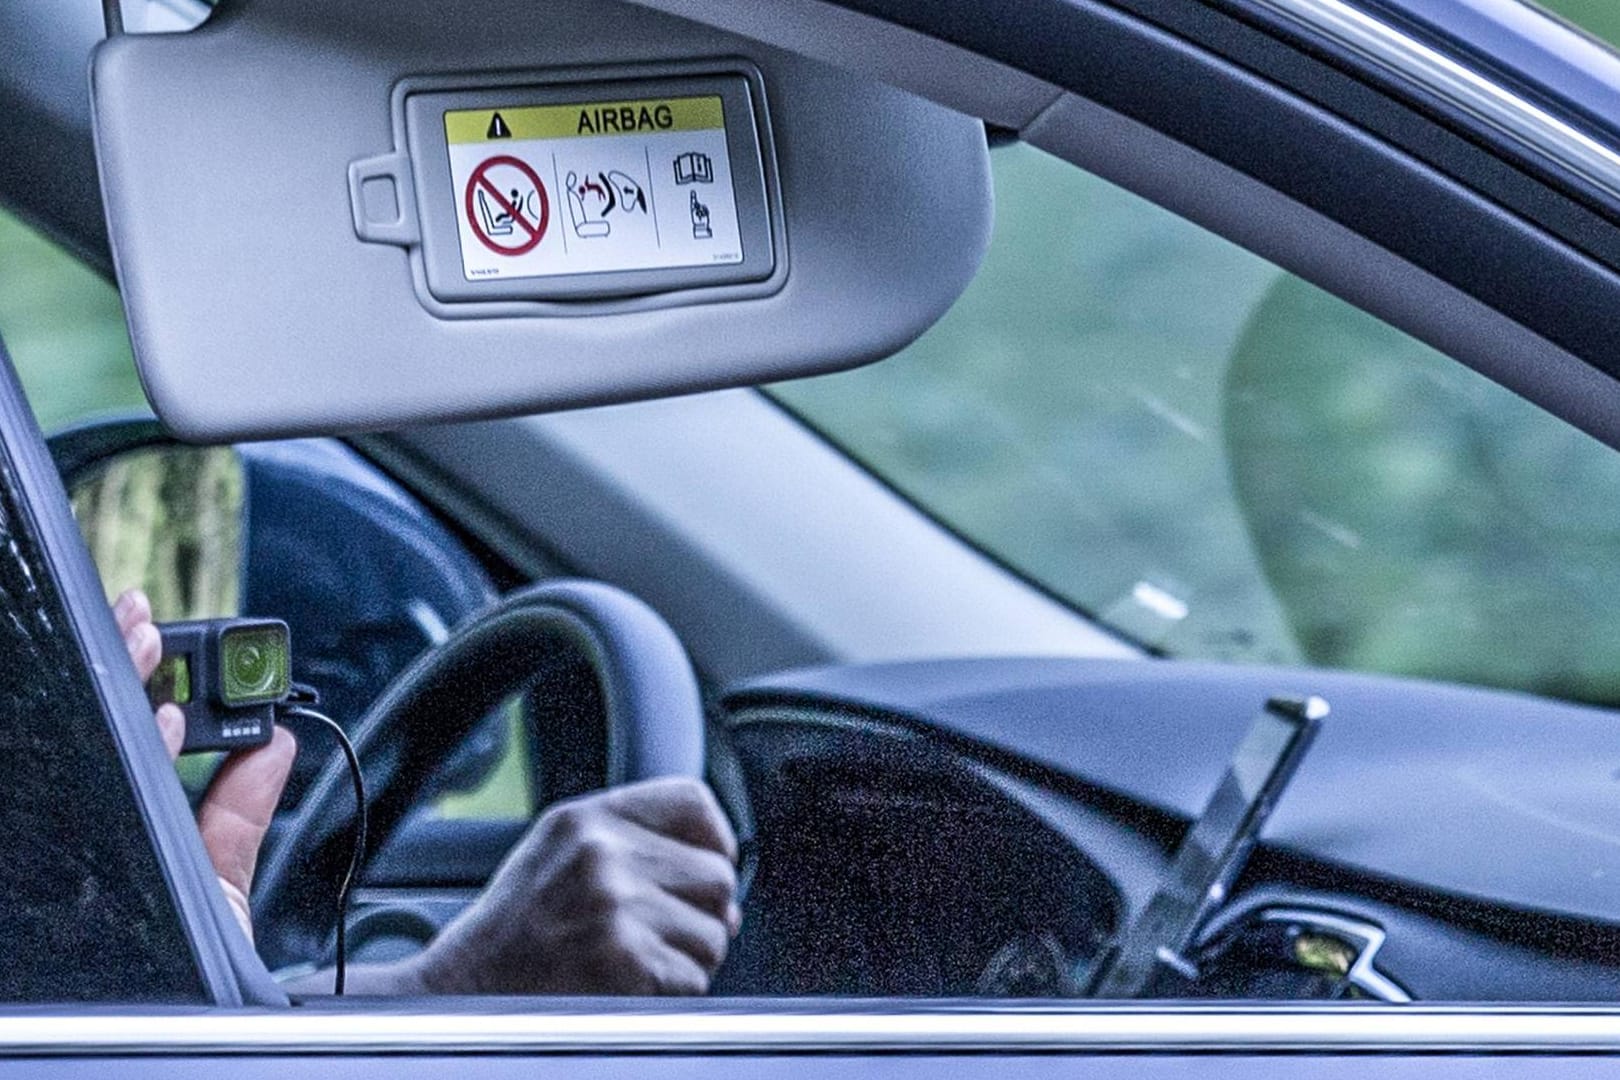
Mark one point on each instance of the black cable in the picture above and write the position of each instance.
(357, 854)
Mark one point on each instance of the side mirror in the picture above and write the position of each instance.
(169, 521)
(304, 530)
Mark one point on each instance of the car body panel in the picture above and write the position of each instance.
(1141, 74)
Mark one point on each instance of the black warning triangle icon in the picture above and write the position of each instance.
(498, 128)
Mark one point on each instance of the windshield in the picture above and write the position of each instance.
(1221, 461)
(1598, 17)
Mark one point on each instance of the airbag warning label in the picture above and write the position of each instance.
(598, 187)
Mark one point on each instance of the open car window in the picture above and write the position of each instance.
(1204, 453)
(1221, 461)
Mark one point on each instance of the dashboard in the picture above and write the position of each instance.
(987, 828)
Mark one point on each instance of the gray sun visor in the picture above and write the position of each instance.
(341, 217)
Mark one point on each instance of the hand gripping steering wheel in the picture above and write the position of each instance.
(612, 682)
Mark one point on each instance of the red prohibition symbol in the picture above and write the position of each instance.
(507, 222)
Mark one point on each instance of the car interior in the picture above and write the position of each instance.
(712, 455)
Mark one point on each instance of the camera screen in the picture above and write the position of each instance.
(171, 682)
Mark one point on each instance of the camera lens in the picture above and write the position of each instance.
(251, 670)
(255, 664)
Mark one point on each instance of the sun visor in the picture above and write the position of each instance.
(333, 217)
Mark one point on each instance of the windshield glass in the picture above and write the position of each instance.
(1597, 17)
(1221, 461)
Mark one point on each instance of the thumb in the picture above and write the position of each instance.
(237, 810)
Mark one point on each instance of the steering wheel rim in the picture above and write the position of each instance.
(598, 654)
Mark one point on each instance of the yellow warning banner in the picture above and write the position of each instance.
(649, 116)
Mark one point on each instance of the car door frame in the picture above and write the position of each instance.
(874, 1035)
(228, 969)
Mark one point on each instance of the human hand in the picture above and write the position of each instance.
(625, 891)
(236, 811)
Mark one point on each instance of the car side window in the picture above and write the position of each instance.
(65, 329)
(1220, 461)
(1599, 17)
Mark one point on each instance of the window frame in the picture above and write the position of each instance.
(229, 970)
(1262, 1029)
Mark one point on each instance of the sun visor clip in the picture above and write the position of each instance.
(383, 200)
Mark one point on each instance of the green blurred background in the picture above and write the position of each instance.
(1598, 17)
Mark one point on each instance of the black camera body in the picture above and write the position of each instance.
(227, 676)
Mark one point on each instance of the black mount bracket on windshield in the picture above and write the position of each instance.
(1149, 959)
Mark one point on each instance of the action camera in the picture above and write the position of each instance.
(227, 676)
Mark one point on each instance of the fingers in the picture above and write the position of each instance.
(145, 647)
(134, 616)
(682, 846)
(701, 877)
(130, 608)
(624, 891)
(675, 973)
(696, 934)
(171, 724)
(688, 846)
(133, 613)
(240, 802)
(678, 807)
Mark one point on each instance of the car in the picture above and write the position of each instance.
(1125, 529)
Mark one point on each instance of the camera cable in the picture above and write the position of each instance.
(298, 707)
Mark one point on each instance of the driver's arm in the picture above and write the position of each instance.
(626, 891)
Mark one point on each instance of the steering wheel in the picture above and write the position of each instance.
(616, 702)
